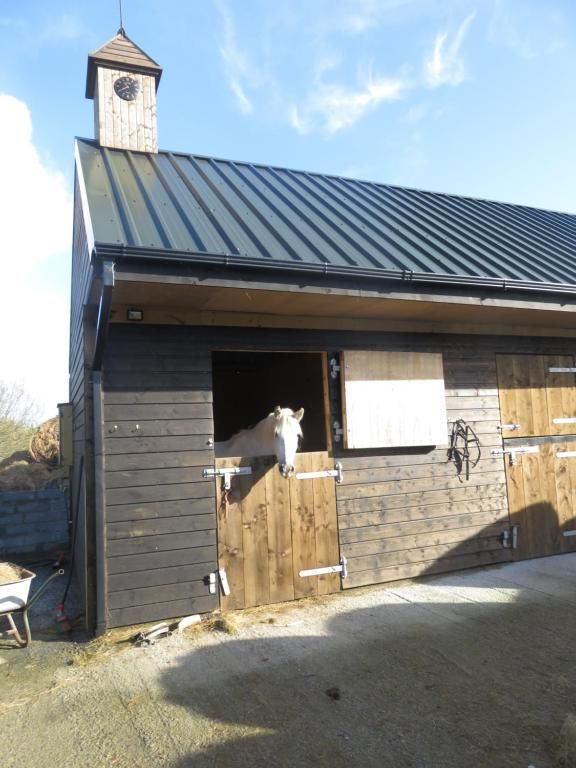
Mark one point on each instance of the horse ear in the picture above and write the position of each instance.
(277, 411)
(299, 414)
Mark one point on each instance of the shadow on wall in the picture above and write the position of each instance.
(539, 535)
(446, 674)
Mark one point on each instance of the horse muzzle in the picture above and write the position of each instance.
(286, 470)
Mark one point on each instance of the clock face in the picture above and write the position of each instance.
(127, 88)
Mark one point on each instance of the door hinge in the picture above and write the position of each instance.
(342, 569)
(509, 537)
(561, 370)
(337, 431)
(334, 368)
(508, 427)
(226, 473)
(513, 451)
(336, 472)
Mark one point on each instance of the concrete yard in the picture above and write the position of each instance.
(473, 670)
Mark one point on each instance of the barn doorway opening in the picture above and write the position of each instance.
(248, 385)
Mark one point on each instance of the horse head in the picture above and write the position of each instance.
(287, 433)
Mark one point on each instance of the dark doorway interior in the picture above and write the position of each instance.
(248, 385)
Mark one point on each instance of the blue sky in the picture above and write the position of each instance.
(473, 98)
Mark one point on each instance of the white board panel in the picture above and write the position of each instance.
(394, 399)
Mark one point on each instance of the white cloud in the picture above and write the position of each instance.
(239, 70)
(332, 107)
(445, 66)
(34, 240)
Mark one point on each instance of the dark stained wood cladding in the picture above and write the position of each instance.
(401, 513)
(80, 397)
(160, 511)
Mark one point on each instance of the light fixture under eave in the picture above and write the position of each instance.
(135, 315)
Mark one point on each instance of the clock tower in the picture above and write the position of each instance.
(123, 80)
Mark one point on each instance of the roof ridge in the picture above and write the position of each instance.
(372, 183)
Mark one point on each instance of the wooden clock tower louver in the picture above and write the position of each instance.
(122, 80)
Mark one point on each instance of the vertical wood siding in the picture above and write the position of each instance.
(125, 124)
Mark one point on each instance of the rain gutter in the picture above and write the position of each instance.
(225, 261)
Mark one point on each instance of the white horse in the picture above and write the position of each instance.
(277, 434)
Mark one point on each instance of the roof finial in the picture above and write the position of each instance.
(121, 31)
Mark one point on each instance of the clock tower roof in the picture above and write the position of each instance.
(120, 53)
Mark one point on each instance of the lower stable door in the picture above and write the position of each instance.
(541, 479)
(271, 529)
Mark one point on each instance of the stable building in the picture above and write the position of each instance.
(429, 338)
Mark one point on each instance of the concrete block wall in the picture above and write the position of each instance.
(34, 522)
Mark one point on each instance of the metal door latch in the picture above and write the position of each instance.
(342, 569)
(334, 368)
(509, 538)
(224, 581)
(226, 473)
(336, 472)
(513, 451)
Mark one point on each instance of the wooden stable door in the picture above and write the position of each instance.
(538, 416)
(537, 395)
(271, 528)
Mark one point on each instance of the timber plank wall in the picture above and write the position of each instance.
(160, 511)
(80, 399)
(401, 512)
(406, 514)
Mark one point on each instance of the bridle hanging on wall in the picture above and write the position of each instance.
(462, 437)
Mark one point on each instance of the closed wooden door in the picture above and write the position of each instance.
(271, 528)
(538, 414)
(537, 394)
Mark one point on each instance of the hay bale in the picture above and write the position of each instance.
(22, 476)
(17, 457)
(45, 442)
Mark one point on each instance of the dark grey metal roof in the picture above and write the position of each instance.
(251, 213)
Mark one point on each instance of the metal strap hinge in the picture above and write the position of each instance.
(513, 451)
(336, 472)
(342, 569)
(226, 473)
(561, 370)
(508, 427)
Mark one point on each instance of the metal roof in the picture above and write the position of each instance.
(173, 202)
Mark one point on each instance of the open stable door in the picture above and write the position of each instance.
(538, 422)
(270, 529)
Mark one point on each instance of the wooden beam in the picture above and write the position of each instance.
(160, 316)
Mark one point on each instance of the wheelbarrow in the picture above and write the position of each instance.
(14, 600)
